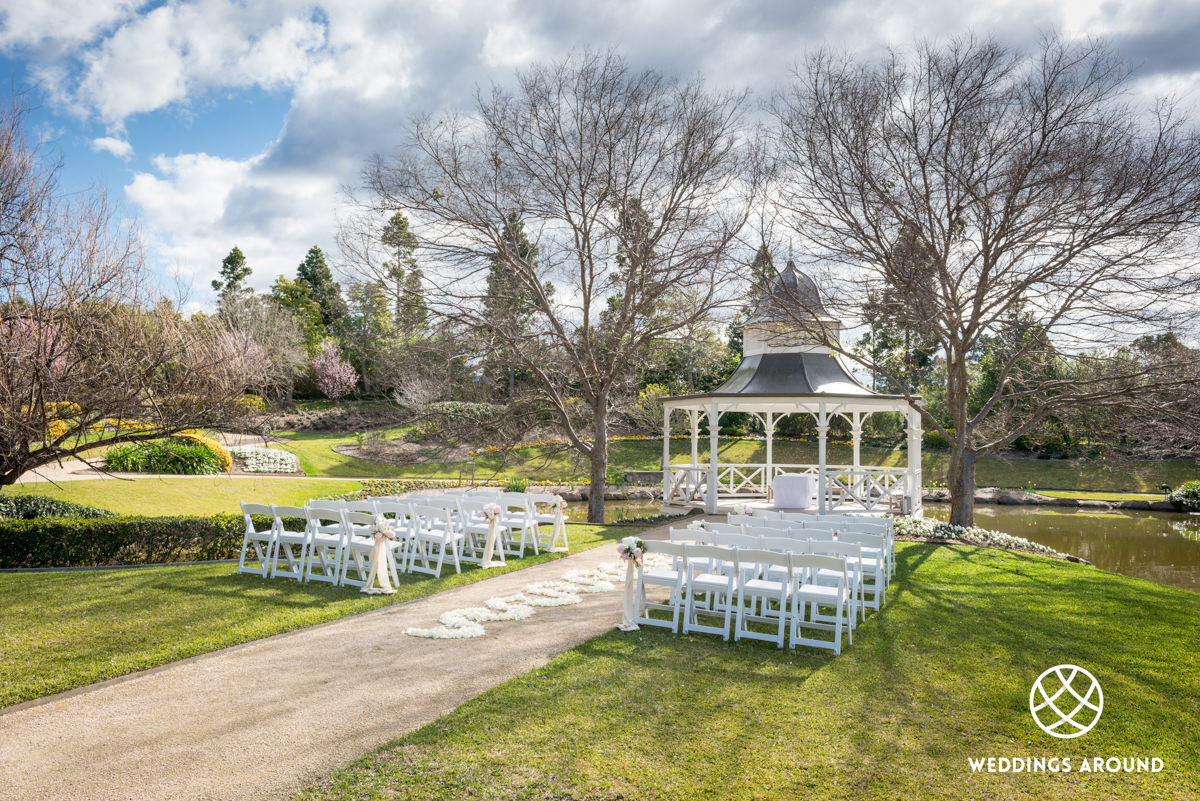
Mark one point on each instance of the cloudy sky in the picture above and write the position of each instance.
(216, 123)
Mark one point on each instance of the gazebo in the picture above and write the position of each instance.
(784, 370)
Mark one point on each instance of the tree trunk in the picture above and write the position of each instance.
(960, 480)
(599, 460)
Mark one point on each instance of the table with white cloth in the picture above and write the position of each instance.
(794, 490)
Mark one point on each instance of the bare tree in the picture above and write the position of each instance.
(272, 343)
(630, 185)
(87, 357)
(970, 186)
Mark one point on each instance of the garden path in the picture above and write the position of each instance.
(261, 720)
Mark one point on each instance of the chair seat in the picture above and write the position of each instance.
(661, 576)
(763, 586)
(545, 518)
(293, 537)
(714, 581)
(817, 592)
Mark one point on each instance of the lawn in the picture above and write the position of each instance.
(64, 630)
(941, 675)
(185, 495)
(559, 463)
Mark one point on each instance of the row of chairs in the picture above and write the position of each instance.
(334, 538)
(799, 595)
(821, 525)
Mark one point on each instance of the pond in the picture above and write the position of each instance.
(1157, 546)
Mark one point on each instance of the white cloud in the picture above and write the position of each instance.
(110, 144)
(60, 23)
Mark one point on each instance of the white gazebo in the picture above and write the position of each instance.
(784, 371)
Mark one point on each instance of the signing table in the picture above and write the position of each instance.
(794, 491)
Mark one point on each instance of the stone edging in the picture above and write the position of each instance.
(1005, 497)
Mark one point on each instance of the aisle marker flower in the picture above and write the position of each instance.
(382, 529)
(631, 549)
(491, 511)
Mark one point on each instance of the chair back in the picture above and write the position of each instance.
(805, 564)
(850, 551)
(353, 523)
(249, 509)
(741, 520)
(317, 503)
(281, 513)
(681, 535)
(784, 544)
(707, 558)
(753, 561)
(725, 528)
(863, 539)
(764, 531)
(367, 507)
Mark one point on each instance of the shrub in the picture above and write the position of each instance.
(200, 438)
(515, 484)
(253, 403)
(1186, 496)
(933, 438)
(29, 507)
(171, 456)
(76, 542)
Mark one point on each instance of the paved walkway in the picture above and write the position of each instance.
(260, 720)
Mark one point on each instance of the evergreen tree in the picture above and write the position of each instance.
(762, 272)
(398, 272)
(296, 298)
(509, 303)
(314, 272)
(234, 271)
(413, 313)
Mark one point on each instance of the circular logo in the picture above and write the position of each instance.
(1066, 701)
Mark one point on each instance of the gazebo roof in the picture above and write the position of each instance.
(791, 377)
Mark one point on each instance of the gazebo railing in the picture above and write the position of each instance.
(867, 487)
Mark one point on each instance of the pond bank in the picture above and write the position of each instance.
(1009, 497)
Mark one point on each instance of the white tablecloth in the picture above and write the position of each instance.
(794, 491)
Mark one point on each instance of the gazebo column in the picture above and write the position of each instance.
(694, 419)
(913, 476)
(714, 428)
(822, 437)
(769, 425)
(856, 438)
(666, 455)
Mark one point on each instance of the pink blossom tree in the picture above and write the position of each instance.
(334, 376)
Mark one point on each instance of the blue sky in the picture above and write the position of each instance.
(216, 123)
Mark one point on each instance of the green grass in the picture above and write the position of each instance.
(942, 674)
(64, 630)
(184, 495)
(1102, 496)
(559, 463)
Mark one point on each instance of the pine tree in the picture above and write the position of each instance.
(403, 244)
(314, 272)
(234, 271)
(296, 298)
(412, 303)
(762, 272)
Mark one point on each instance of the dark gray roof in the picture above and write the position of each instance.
(790, 291)
(791, 374)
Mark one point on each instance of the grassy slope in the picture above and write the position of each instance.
(942, 674)
(318, 458)
(64, 630)
(185, 495)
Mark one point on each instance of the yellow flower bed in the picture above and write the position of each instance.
(201, 438)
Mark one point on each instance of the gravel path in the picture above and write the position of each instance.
(259, 721)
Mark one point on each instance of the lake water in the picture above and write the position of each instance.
(1158, 546)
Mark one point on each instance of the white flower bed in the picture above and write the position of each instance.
(937, 530)
(266, 460)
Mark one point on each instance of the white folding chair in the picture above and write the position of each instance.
(262, 541)
(435, 530)
(554, 518)
(874, 557)
(851, 553)
(770, 582)
(359, 550)
(325, 545)
(689, 535)
(517, 517)
(724, 528)
(398, 515)
(711, 573)
(673, 578)
(808, 598)
(475, 529)
(291, 547)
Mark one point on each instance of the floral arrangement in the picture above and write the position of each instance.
(631, 549)
(382, 529)
(491, 511)
(696, 525)
(742, 509)
(558, 504)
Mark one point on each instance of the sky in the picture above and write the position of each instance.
(215, 123)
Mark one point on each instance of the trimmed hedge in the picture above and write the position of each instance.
(28, 507)
(67, 542)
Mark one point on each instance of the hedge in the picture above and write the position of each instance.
(28, 507)
(67, 542)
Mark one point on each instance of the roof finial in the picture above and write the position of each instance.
(789, 248)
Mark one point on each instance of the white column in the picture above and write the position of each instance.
(694, 419)
(822, 437)
(714, 427)
(856, 438)
(666, 455)
(769, 425)
(912, 477)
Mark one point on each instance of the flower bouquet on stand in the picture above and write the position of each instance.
(382, 564)
(631, 550)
